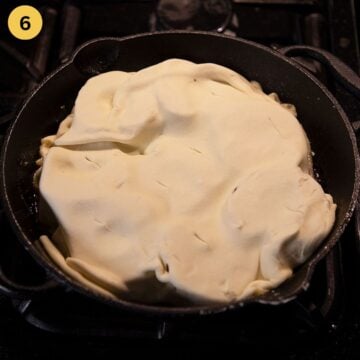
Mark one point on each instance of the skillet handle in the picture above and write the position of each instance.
(14, 290)
(341, 72)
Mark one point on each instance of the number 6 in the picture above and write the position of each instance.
(25, 23)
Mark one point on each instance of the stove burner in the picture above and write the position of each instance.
(206, 15)
(321, 323)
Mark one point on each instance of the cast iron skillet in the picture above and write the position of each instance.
(332, 138)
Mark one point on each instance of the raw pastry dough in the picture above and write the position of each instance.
(181, 178)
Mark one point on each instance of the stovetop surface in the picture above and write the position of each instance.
(323, 323)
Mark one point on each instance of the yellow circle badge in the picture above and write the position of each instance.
(25, 22)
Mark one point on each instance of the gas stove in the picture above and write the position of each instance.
(322, 323)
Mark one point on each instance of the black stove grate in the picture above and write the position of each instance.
(321, 321)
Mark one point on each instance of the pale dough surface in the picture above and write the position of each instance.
(183, 178)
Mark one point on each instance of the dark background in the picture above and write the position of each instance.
(283, 332)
